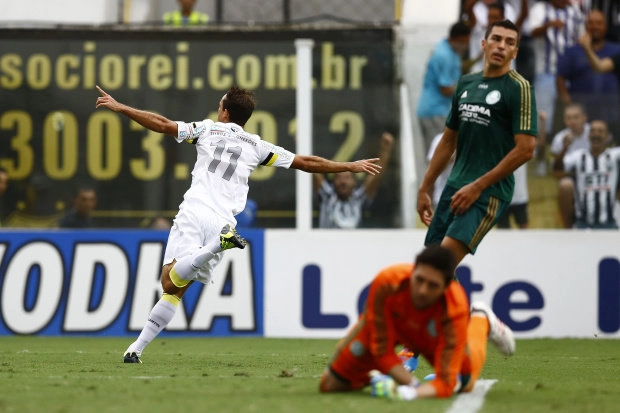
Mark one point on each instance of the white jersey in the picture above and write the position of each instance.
(227, 155)
(596, 184)
(579, 142)
(520, 194)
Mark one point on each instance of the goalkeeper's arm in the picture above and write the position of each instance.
(400, 374)
(402, 377)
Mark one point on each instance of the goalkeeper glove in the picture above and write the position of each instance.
(384, 386)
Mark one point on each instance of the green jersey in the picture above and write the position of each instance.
(488, 113)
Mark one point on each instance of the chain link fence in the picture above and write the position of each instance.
(290, 11)
(295, 11)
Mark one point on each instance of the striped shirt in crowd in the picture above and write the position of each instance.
(555, 41)
(596, 186)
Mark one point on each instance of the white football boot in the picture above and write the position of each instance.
(499, 333)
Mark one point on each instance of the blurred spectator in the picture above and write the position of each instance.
(441, 180)
(518, 208)
(247, 217)
(4, 181)
(611, 10)
(442, 72)
(526, 58)
(161, 222)
(576, 132)
(42, 197)
(32, 203)
(566, 141)
(601, 64)
(554, 25)
(540, 153)
(479, 14)
(80, 216)
(185, 15)
(4, 185)
(343, 200)
(577, 81)
(596, 172)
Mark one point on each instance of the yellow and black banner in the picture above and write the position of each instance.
(52, 137)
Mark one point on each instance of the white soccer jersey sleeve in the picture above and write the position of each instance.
(226, 156)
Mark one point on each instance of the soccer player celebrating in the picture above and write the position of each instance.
(492, 126)
(420, 306)
(204, 225)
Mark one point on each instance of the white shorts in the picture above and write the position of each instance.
(191, 231)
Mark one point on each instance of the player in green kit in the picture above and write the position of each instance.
(492, 126)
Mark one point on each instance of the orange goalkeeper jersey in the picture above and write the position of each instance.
(439, 333)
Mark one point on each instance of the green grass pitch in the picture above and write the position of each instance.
(68, 374)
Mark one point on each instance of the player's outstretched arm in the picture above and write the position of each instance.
(149, 120)
(316, 164)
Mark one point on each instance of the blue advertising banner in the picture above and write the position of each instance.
(104, 283)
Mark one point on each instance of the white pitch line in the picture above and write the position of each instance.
(472, 402)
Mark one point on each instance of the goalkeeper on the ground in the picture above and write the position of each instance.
(421, 307)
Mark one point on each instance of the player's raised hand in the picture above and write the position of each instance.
(150, 120)
(369, 166)
(107, 101)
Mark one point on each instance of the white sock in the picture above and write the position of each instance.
(184, 268)
(187, 267)
(206, 253)
(161, 314)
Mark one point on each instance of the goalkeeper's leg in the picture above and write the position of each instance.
(333, 382)
(477, 333)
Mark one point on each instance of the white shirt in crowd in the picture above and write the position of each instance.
(579, 142)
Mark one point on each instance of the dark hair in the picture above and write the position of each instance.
(598, 120)
(459, 29)
(440, 258)
(576, 105)
(83, 187)
(240, 104)
(499, 6)
(507, 24)
(4, 170)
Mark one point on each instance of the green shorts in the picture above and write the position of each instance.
(470, 227)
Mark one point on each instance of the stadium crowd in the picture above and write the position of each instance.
(567, 53)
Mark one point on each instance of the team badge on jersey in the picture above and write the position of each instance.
(493, 97)
(357, 348)
(431, 328)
